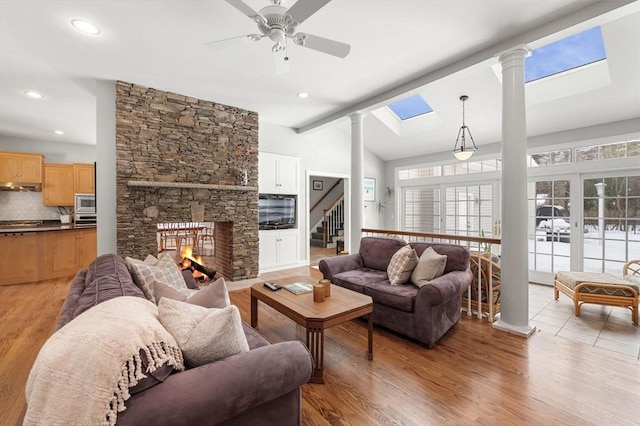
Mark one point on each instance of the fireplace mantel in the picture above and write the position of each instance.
(156, 184)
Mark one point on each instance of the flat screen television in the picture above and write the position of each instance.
(277, 211)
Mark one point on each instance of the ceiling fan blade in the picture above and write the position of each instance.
(322, 44)
(246, 9)
(280, 61)
(302, 9)
(243, 39)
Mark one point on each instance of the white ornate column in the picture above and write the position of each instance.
(357, 181)
(514, 290)
(106, 167)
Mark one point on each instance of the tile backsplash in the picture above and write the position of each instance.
(25, 206)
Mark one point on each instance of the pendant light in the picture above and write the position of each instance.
(460, 149)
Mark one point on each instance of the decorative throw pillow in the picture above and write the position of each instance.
(430, 265)
(164, 270)
(204, 335)
(215, 295)
(401, 265)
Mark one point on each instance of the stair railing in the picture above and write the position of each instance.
(333, 219)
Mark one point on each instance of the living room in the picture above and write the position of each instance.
(326, 150)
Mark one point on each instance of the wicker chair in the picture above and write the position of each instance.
(489, 286)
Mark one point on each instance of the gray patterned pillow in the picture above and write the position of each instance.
(164, 271)
(401, 265)
(204, 335)
(430, 266)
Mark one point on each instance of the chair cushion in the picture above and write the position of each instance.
(601, 280)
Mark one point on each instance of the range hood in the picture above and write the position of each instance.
(20, 187)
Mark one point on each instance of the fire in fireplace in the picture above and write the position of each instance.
(195, 264)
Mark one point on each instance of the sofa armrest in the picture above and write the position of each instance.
(221, 390)
(334, 265)
(444, 288)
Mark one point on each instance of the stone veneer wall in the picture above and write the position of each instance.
(167, 137)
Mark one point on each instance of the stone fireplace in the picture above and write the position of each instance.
(175, 152)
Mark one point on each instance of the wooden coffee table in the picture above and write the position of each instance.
(343, 305)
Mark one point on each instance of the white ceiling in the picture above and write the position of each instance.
(439, 48)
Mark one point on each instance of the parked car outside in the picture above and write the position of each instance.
(554, 221)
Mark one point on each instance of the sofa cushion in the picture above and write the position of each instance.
(430, 265)
(144, 273)
(401, 265)
(457, 256)
(356, 279)
(401, 297)
(214, 295)
(377, 252)
(204, 335)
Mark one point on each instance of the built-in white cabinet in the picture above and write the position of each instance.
(278, 248)
(278, 174)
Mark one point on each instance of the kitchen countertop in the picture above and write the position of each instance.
(14, 227)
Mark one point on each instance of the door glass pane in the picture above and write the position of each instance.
(421, 210)
(550, 226)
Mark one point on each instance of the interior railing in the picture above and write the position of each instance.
(484, 252)
(333, 219)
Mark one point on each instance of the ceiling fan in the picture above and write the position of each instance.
(279, 24)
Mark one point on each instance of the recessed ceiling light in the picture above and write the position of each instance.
(58, 132)
(303, 95)
(85, 27)
(32, 94)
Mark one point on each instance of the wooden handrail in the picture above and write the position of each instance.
(433, 236)
(325, 195)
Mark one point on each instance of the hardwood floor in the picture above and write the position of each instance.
(474, 375)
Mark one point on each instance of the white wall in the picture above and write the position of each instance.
(54, 152)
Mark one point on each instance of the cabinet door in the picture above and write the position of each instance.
(287, 175)
(83, 179)
(58, 185)
(20, 258)
(30, 168)
(268, 173)
(86, 247)
(268, 249)
(288, 248)
(60, 254)
(8, 167)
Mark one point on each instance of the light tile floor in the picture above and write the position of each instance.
(604, 327)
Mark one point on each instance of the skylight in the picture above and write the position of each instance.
(571, 52)
(410, 107)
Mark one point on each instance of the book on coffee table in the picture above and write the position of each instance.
(298, 288)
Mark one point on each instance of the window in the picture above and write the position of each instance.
(566, 54)
(410, 107)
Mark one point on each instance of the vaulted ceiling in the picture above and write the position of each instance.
(440, 49)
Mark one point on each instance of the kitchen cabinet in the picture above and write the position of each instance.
(68, 251)
(21, 257)
(278, 248)
(83, 179)
(20, 168)
(57, 185)
(278, 174)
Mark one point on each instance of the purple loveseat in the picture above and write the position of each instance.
(424, 314)
(258, 387)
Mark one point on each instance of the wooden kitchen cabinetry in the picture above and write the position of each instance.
(58, 185)
(84, 178)
(20, 168)
(66, 252)
(21, 257)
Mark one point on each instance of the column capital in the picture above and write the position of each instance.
(358, 115)
(515, 53)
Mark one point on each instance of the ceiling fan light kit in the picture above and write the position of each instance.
(460, 149)
(279, 23)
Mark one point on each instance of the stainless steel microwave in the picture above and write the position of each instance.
(85, 203)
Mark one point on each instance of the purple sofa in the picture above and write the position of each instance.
(424, 314)
(258, 387)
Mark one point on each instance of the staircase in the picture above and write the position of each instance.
(332, 226)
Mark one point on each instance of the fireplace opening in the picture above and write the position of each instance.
(209, 243)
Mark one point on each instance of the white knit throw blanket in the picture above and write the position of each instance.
(83, 372)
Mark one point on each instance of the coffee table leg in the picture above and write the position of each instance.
(370, 321)
(254, 312)
(315, 343)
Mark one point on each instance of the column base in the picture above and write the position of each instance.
(525, 331)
